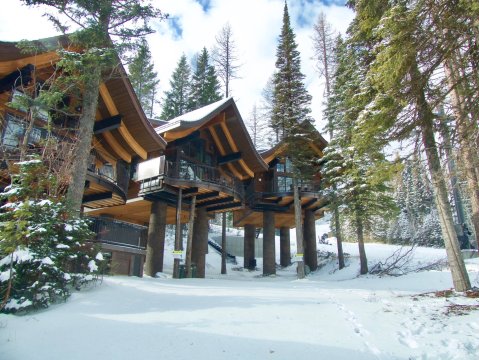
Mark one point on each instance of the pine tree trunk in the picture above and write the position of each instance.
(299, 228)
(337, 233)
(468, 152)
(360, 236)
(85, 133)
(456, 262)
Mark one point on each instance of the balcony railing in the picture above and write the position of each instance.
(118, 175)
(153, 172)
(120, 233)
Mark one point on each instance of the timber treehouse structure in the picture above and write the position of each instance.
(140, 178)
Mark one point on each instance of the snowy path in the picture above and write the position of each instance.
(268, 318)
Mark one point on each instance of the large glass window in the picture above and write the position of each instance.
(13, 132)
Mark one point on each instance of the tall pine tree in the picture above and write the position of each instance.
(143, 78)
(291, 115)
(205, 85)
(177, 100)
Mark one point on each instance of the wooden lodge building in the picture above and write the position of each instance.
(140, 179)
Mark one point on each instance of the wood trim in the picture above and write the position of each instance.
(217, 141)
(116, 146)
(38, 61)
(232, 143)
(132, 142)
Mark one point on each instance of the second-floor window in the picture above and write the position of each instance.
(14, 132)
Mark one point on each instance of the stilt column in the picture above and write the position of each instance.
(310, 248)
(249, 235)
(269, 252)
(285, 244)
(156, 239)
(200, 242)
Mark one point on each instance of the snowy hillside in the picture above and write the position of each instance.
(329, 315)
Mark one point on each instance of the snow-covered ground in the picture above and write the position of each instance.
(329, 315)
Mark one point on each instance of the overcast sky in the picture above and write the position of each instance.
(193, 24)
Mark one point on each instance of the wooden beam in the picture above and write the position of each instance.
(96, 197)
(107, 124)
(218, 143)
(216, 201)
(208, 195)
(132, 142)
(10, 81)
(190, 191)
(229, 158)
(108, 100)
(224, 207)
(233, 146)
(117, 147)
(309, 203)
(38, 61)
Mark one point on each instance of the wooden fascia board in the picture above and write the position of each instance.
(233, 146)
(113, 110)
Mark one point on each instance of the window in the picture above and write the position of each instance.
(13, 132)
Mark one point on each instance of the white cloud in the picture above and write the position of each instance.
(256, 25)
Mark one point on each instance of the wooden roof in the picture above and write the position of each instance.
(133, 136)
(223, 121)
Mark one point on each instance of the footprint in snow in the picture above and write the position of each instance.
(405, 338)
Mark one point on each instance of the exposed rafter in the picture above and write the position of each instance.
(218, 143)
(113, 110)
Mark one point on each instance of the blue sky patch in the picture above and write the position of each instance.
(175, 24)
(205, 4)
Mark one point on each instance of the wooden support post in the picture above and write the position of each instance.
(156, 239)
(269, 253)
(223, 244)
(190, 237)
(248, 255)
(285, 246)
(310, 247)
(200, 242)
(178, 239)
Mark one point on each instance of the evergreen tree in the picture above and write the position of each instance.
(43, 251)
(143, 78)
(406, 58)
(176, 101)
(357, 171)
(291, 116)
(418, 220)
(204, 86)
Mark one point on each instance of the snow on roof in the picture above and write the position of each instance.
(192, 116)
